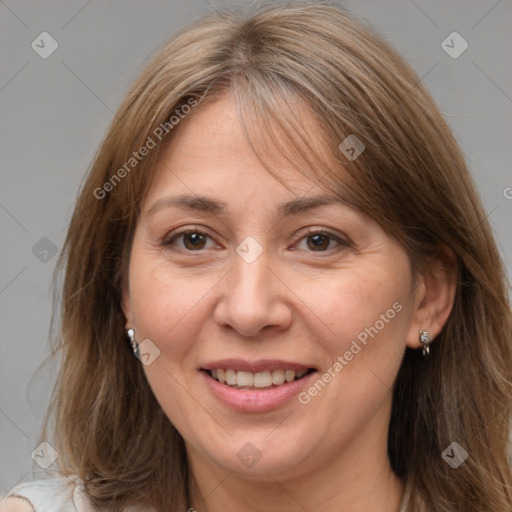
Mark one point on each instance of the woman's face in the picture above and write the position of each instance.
(234, 276)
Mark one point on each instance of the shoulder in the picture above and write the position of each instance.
(58, 494)
(15, 504)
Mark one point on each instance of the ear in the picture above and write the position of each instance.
(126, 304)
(434, 294)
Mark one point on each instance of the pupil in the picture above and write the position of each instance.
(194, 239)
(319, 242)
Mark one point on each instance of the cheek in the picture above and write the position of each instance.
(367, 342)
(355, 304)
(166, 303)
(363, 325)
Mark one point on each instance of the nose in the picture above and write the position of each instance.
(253, 298)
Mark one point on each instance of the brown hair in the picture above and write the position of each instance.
(412, 178)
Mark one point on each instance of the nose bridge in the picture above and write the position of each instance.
(251, 273)
(250, 287)
(252, 300)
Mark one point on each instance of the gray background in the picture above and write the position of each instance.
(55, 112)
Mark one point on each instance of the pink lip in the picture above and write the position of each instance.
(261, 400)
(241, 365)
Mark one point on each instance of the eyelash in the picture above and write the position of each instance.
(167, 242)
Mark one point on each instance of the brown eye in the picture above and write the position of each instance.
(187, 240)
(318, 242)
(194, 240)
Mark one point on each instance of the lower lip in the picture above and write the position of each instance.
(258, 400)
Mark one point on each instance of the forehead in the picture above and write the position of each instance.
(210, 151)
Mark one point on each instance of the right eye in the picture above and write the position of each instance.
(192, 240)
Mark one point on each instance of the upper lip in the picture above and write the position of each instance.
(260, 365)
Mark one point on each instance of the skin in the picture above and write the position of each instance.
(291, 303)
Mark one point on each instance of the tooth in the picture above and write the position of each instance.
(262, 379)
(278, 377)
(289, 375)
(231, 377)
(244, 378)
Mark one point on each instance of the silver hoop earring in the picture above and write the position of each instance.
(131, 334)
(425, 341)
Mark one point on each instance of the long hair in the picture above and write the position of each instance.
(411, 178)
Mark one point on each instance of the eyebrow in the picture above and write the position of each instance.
(206, 204)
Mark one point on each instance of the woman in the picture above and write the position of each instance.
(282, 226)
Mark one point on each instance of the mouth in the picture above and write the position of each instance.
(262, 380)
(257, 376)
(257, 386)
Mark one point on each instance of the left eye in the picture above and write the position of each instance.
(320, 241)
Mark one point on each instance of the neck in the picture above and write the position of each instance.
(231, 492)
(355, 478)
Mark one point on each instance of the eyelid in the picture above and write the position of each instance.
(342, 240)
(169, 237)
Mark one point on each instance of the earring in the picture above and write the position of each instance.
(425, 340)
(131, 334)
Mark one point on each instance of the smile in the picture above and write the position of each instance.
(256, 386)
(258, 380)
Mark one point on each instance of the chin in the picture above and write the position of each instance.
(260, 455)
